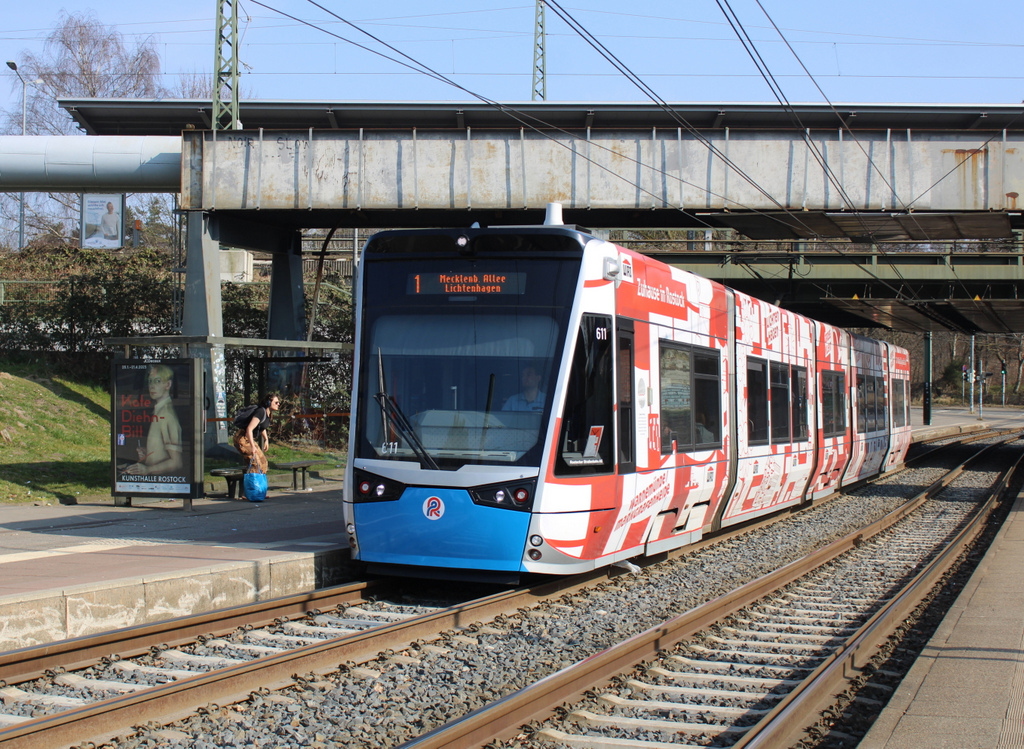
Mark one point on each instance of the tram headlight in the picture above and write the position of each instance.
(350, 529)
(508, 496)
(370, 488)
(536, 540)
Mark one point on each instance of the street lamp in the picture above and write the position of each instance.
(24, 111)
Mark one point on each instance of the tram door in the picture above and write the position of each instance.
(626, 388)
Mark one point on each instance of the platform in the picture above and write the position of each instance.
(966, 689)
(72, 570)
(67, 571)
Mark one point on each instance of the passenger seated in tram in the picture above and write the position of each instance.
(702, 434)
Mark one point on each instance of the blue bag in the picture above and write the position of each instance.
(256, 486)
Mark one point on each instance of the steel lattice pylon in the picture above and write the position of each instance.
(225, 86)
(540, 82)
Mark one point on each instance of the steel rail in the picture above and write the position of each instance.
(163, 703)
(108, 718)
(32, 662)
(928, 449)
(787, 722)
(503, 718)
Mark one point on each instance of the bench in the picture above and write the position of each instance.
(299, 466)
(234, 477)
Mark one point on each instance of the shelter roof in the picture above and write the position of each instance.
(171, 116)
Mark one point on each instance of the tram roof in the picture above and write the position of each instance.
(172, 116)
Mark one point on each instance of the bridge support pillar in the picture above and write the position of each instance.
(203, 316)
(287, 315)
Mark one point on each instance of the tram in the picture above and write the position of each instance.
(534, 399)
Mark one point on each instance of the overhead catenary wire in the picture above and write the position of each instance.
(525, 119)
(573, 23)
(797, 220)
(845, 126)
(899, 292)
(522, 116)
(535, 123)
(578, 28)
(762, 66)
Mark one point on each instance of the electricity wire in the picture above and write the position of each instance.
(907, 207)
(566, 17)
(523, 118)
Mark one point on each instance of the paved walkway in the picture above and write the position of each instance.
(72, 570)
(966, 690)
(67, 571)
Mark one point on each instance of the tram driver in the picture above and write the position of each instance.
(531, 398)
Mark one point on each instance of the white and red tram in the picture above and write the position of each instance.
(538, 400)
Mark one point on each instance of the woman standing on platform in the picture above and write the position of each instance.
(253, 439)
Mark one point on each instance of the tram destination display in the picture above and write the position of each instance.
(480, 284)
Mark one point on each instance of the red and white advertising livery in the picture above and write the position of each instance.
(538, 400)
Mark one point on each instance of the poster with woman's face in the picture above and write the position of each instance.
(102, 222)
(152, 427)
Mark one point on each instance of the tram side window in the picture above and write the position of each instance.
(871, 404)
(881, 404)
(899, 403)
(627, 424)
(757, 400)
(676, 373)
(779, 402)
(799, 400)
(862, 404)
(833, 403)
(691, 397)
(707, 395)
(585, 443)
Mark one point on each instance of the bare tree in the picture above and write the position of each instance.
(192, 85)
(1018, 355)
(81, 57)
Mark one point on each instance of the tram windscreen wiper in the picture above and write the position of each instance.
(401, 425)
(395, 419)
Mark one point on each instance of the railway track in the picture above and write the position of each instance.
(758, 667)
(104, 686)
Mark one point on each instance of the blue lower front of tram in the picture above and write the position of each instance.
(430, 527)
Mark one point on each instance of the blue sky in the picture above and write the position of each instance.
(881, 51)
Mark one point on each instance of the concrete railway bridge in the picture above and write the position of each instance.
(835, 189)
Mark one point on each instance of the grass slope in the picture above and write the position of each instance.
(55, 440)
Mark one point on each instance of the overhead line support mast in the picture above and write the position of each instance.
(225, 86)
(540, 83)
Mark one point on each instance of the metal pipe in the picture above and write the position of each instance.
(118, 163)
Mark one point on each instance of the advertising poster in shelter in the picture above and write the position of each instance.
(102, 221)
(156, 435)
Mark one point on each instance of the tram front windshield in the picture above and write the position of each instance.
(460, 369)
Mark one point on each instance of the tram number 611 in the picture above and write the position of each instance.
(389, 448)
(601, 334)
